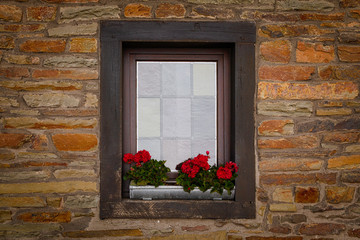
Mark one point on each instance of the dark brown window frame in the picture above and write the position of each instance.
(117, 35)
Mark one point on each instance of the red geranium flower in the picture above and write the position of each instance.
(128, 158)
(224, 173)
(232, 166)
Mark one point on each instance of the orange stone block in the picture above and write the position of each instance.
(307, 195)
(76, 74)
(167, 10)
(314, 53)
(83, 45)
(339, 194)
(54, 46)
(286, 73)
(13, 140)
(137, 11)
(344, 162)
(41, 13)
(349, 53)
(276, 51)
(290, 165)
(75, 142)
(14, 72)
(339, 90)
(276, 127)
(322, 17)
(7, 42)
(303, 142)
(336, 137)
(46, 217)
(10, 13)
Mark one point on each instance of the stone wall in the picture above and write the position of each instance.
(307, 119)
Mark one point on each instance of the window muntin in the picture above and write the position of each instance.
(177, 109)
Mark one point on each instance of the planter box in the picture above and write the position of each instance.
(175, 192)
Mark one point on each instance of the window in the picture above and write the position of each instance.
(226, 52)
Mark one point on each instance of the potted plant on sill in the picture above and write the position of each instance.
(196, 179)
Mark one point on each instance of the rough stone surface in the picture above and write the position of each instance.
(339, 194)
(91, 100)
(74, 173)
(287, 179)
(290, 165)
(316, 126)
(314, 53)
(294, 218)
(285, 108)
(283, 195)
(8, 102)
(73, 30)
(340, 90)
(340, 137)
(13, 140)
(14, 72)
(298, 5)
(22, 59)
(350, 177)
(348, 124)
(354, 232)
(46, 217)
(349, 3)
(219, 235)
(75, 74)
(283, 207)
(332, 72)
(344, 162)
(349, 53)
(278, 31)
(276, 51)
(104, 233)
(27, 230)
(286, 73)
(70, 62)
(10, 13)
(35, 123)
(5, 215)
(41, 46)
(25, 28)
(22, 202)
(51, 100)
(307, 195)
(81, 13)
(75, 142)
(322, 229)
(81, 201)
(29, 176)
(305, 142)
(54, 202)
(167, 10)
(137, 11)
(41, 13)
(212, 13)
(41, 85)
(333, 112)
(276, 127)
(83, 45)
(7, 42)
(48, 187)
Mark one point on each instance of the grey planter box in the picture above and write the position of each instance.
(175, 192)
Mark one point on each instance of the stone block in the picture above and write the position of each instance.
(285, 108)
(135, 10)
(51, 100)
(350, 177)
(349, 53)
(307, 195)
(301, 142)
(10, 13)
(286, 73)
(5, 215)
(61, 123)
(348, 124)
(104, 233)
(198, 228)
(45, 217)
(74, 173)
(85, 13)
(336, 194)
(287, 179)
(349, 3)
(83, 45)
(74, 74)
(298, 5)
(315, 126)
(283, 195)
(341, 137)
(168, 10)
(322, 229)
(14, 72)
(333, 111)
(22, 59)
(322, 17)
(71, 112)
(81, 201)
(276, 127)
(41, 85)
(43, 46)
(75, 142)
(91, 100)
(354, 232)
(54, 201)
(278, 31)
(276, 51)
(70, 62)
(7, 42)
(294, 218)
(355, 14)
(314, 53)
(290, 164)
(73, 30)
(22, 202)
(28, 176)
(212, 12)
(353, 148)
(299, 91)
(344, 162)
(48, 187)
(41, 13)
(349, 37)
(283, 207)
(26, 231)
(14, 140)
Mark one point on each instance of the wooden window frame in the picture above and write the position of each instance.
(115, 36)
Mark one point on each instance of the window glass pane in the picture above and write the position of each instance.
(176, 109)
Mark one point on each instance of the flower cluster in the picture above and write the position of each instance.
(227, 171)
(192, 166)
(146, 171)
(140, 157)
(197, 172)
